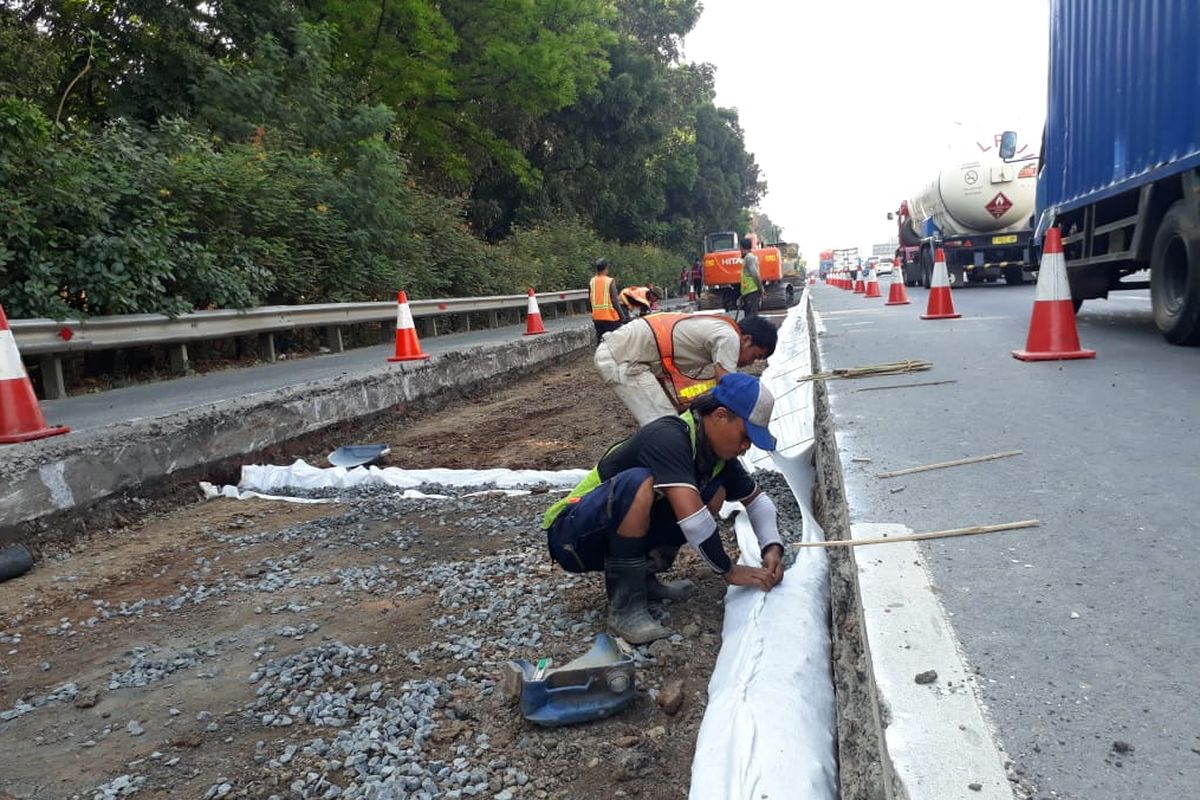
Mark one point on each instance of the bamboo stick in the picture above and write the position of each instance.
(902, 385)
(944, 464)
(916, 537)
(891, 368)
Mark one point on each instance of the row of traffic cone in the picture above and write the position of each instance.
(21, 418)
(1053, 335)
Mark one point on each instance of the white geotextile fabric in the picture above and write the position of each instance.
(302, 475)
(769, 729)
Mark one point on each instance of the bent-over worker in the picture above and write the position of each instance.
(639, 300)
(661, 488)
(658, 364)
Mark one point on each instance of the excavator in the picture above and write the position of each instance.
(722, 264)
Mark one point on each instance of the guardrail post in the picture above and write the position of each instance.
(266, 346)
(333, 337)
(52, 377)
(494, 318)
(428, 326)
(179, 358)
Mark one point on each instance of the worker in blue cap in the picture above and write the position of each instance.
(662, 487)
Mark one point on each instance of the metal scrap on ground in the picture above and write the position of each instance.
(914, 537)
(871, 370)
(958, 462)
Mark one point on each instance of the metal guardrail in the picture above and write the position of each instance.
(42, 336)
(52, 339)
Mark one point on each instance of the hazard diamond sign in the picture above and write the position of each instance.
(999, 206)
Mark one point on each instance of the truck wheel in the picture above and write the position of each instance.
(1014, 276)
(1175, 276)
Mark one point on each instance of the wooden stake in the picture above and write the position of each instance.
(915, 537)
(956, 463)
(902, 385)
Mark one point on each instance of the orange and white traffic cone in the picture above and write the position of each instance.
(872, 285)
(897, 296)
(1052, 332)
(533, 317)
(941, 303)
(860, 286)
(408, 346)
(21, 417)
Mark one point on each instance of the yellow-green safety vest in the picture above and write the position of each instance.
(592, 479)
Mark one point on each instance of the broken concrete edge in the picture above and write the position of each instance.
(55, 478)
(893, 742)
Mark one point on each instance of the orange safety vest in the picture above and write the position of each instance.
(631, 294)
(685, 387)
(600, 289)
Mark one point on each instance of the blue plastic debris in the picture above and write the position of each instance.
(356, 455)
(596, 685)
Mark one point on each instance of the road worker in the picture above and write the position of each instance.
(607, 312)
(661, 488)
(639, 300)
(752, 285)
(659, 363)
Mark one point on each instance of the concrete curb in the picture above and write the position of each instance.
(936, 738)
(67, 473)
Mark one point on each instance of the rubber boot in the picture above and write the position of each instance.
(658, 560)
(625, 582)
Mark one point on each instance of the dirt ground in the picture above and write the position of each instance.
(128, 660)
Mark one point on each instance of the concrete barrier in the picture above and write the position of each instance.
(50, 477)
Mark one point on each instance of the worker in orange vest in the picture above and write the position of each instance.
(607, 312)
(659, 363)
(639, 300)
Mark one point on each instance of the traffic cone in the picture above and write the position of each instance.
(21, 418)
(872, 285)
(533, 317)
(941, 303)
(897, 296)
(1052, 332)
(860, 286)
(408, 346)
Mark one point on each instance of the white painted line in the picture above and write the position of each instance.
(939, 741)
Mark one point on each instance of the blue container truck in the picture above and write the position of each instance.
(1119, 170)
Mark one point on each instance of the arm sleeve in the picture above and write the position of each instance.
(700, 530)
(764, 518)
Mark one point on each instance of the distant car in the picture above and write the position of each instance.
(884, 267)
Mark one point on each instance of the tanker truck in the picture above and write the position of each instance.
(722, 264)
(978, 209)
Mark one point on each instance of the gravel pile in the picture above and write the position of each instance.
(62, 694)
(144, 668)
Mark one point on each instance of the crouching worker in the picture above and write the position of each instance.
(661, 488)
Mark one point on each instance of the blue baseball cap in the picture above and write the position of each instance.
(745, 396)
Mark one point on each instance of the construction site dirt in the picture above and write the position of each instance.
(259, 648)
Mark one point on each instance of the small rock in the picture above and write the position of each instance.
(657, 732)
(625, 741)
(86, 699)
(670, 699)
(660, 650)
(690, 630)
(1074, 615)
(135, 728)
(1122, 747)
(928, 676)
(975, 787)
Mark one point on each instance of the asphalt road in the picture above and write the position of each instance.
(83, 412)
(1084, 632)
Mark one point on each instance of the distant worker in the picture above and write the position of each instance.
(658, 364)
(752, 285)
(607, 312)
(660, 489)
(697, 277)
(685, 280)
(639, 300)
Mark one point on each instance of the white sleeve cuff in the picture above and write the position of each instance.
(764, 518)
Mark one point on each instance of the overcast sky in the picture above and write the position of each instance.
(849, 106)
